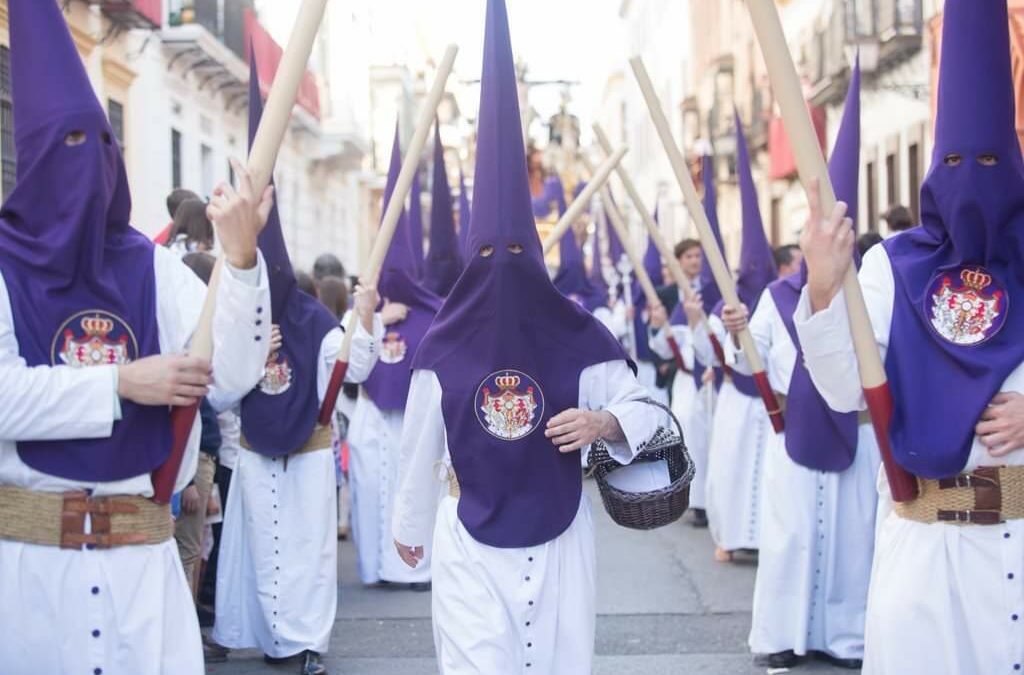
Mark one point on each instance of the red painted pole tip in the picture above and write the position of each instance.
(331, 395)
(902, 484)
(771, 402)
(182, 420)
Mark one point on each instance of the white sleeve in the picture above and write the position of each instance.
(658, 343)
(365, 349)
(612, 386)
(241, 329)
(423, 445)
(51, 402)
(760, 329)
(825, 336)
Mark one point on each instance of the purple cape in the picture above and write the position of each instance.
(817, 437)
(388, 384)
(571, 279)
(507, 347)
(279, 415)
(80, 279)
(955, 334)
(444, 260)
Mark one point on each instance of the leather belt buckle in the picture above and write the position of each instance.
(77, 505)
(970, 517)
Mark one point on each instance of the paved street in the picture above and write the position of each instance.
(665, 608)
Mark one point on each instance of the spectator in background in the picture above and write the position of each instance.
(174, 200)
(899, 219)
(788, 259)
(191, 231)
(334, 296)
(306, 283)
(866, 241)
(328, 265)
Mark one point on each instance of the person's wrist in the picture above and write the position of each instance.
(821, 292)
(244, 260)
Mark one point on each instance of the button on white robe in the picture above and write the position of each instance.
(945, 599)
(517, 610)
(277, 575)
(128, 609)
(817, 528)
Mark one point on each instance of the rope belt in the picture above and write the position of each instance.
(318, 440)
(986, 496)
(863, 417)
(58, 519)
(453, 484)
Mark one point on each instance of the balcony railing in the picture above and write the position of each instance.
(136, 13)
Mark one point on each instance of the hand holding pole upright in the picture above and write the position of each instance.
(812, 167)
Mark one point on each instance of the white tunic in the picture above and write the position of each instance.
(128, 609)
(740, 429)
(374, 438)
(817, 528)
(691, 406)
(277, 575)
(521, 610)
(945, 599)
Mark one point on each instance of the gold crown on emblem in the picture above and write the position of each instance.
(506, 382)
(975, 279)
(95, 325)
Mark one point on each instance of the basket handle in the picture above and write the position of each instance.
(658, 404)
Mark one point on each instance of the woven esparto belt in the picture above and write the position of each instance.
(986, 496)
(453, 484)
(58, 519)
(863, 417)
(320, 439)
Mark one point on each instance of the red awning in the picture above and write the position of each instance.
(268, 56)
(783, 163)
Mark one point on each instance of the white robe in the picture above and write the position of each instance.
(817, 528)
(277, 575)
(497, 610)
(374, 447)
(944, 599)
(740, 429)
(691, 406)
(127, 609)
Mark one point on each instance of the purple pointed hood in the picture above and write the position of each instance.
(444, 260)
(757, 263)
(507, 347)
(388, 384)
(464, 210)
(415, 222)
(708, 286)
(79, 277)
(279, 415)
(596, 276)
(955, 333)
(571, 279)
(652, 259)
(816, 436)
(551, 199)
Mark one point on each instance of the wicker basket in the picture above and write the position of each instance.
(647, 510)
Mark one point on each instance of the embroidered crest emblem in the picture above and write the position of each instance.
(967, 306)
(94, 338)
(509, 404)
(277, 375)
(393, 348)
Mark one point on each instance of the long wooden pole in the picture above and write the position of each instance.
(575, 210)
(711, 251)
(390, 221)
(812, 167)
(262, 156)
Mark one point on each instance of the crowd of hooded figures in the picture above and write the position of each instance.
(476, 382)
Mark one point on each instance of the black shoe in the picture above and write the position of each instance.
(312, 665)
(206, 616)
(420, 587)
(279, 660)
(700, 518)
(786, 659)
(848, 664)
